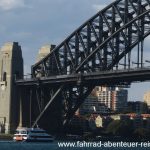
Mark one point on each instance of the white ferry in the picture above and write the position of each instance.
(32, 135)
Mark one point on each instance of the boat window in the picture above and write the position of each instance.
(23, 132)
(17, 132)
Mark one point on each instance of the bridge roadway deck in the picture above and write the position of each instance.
(105, 77)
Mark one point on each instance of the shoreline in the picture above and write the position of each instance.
(6, 136)
(9, 137)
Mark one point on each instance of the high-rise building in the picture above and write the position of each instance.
(92, 105)
(113, 98)
(137, 107)
(104, 95)
(147, 98)
(105, 100)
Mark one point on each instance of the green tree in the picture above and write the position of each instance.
(122, 128)
(113, 127)
(142, 133)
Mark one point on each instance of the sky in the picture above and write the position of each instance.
(34, 23)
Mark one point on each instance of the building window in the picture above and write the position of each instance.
(4, 76)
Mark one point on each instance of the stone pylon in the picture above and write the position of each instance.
(11, 68)
(45, 50)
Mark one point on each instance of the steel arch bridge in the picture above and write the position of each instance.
(113, 39)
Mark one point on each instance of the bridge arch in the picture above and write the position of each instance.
(101, 41)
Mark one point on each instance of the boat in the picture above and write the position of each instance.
(32, 135)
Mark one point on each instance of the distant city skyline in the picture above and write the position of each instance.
(137, 90)
(34, 23)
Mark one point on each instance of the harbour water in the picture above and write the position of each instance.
(10, 145)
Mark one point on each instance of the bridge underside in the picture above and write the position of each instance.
(38, 100)
(33, 101)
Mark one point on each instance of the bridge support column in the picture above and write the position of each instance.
(11, 67)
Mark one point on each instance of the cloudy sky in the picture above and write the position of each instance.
(34, 23)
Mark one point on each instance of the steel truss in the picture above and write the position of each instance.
(104, 42)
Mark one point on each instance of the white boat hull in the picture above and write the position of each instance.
(32, 135)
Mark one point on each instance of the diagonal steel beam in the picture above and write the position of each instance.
(46, 107)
